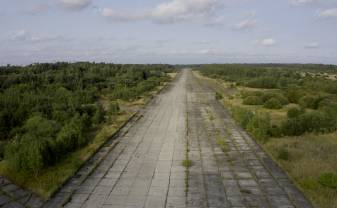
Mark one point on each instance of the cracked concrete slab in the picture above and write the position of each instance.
(240, 174)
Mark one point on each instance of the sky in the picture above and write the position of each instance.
(168, 31)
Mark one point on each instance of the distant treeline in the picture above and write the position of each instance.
(47, 109)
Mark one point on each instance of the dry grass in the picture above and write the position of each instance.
(309, 157)
(172, 75)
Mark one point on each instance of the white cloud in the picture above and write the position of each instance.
(37, 9)
(20, 35)
(301, 2)
(25, 36)
(123, 16)
(75, 4)
(245, 24)
(328, 13)
(313, 2)
(178, 10)
(268, 42)
(312, 45)
(170, 12)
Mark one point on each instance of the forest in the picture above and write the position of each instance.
(291, 111)
(47, 110)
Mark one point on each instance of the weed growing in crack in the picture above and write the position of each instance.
(187, 163)
(222, 143)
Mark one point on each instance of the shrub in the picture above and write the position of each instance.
(275, 131)
(318, 122)
(328, 105)
(98, 116)
(312, 102)
(294, 94)
(281, 98)
(113, 108)
(293, 127)
(259, 126)
(328, 180)
(309, 122)
(252, 100)
(283, 154)
(29, 155)
(245, 94)
(263, 82)
(41, 127)
(272, 103)
(331, 88)
(295, 112)
(71, 135)
(33, 150)
(242, 116)
(218, 96)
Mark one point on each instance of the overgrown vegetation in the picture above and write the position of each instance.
(48, 111)
(292, 111)
(278, 85)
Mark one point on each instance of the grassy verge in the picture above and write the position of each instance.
(310, 160)
(51, 178)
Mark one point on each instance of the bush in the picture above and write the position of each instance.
(294, 94)
(318, 122)
(283, 154)
(275, 131)
(295, 112)
(42, 144)
(252, 100)
(29, 155)
(33, 150)
(39, 126)
(218, 96)
(242, 116)
(293, 127)
(281, 98)
(328, 180)
(328, 105)
(273, 103)
(70, 137)
(312, 102)
(113, 108)
(245, 94)
(331, 88)
(98, 116)
(263, 82)
(315, 121)
(259, 126)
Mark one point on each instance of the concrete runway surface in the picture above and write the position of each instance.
(145, 168)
